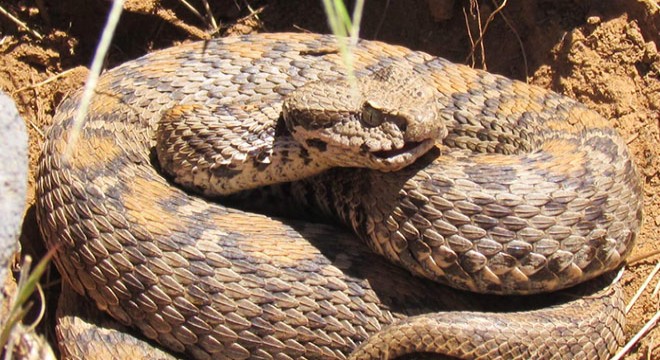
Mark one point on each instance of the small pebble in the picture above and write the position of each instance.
(593, 20)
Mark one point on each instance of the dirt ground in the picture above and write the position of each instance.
(603, 53)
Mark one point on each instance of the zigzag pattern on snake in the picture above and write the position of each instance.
(529, 191)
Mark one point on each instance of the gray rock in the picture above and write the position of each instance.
(13, 180)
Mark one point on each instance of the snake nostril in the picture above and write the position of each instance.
(402, 124)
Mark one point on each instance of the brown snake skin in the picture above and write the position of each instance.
(528, 192)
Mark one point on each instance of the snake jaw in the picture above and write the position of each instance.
(396, 159)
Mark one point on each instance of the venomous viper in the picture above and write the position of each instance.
(525, 191)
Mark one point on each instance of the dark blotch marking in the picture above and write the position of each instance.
(262, 166)
(304, 155)
(491, 173)
(225, 171)
(320, 52)
(318, 144)
(605, 145)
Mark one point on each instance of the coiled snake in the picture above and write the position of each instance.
(525, 191)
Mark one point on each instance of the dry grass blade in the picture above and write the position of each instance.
(20, 23)
(36, 128)
(644, 256)
(643, 287)
(209, 15)
(469, 33)
(192, 9)
(44, 82)
(209, 20)
(640, 334)
(94, 73)
(520, 42)
(254, 13)
(381, 21)
(482, 31)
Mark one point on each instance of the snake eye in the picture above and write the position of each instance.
(372, 116)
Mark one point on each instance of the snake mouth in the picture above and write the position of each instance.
(407, 154)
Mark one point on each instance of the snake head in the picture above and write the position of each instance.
(385, 120)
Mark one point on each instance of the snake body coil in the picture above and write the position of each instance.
(528, 192)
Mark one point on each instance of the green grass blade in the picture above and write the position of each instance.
(26, 286)
(346, 30)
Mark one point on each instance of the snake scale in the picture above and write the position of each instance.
(525, 191)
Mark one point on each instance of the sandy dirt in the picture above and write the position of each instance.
(603, 53)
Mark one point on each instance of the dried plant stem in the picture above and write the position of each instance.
(209, 20)
(641, 288)
(482, 32)
(640, 334)
(44, 82)
(20, 23)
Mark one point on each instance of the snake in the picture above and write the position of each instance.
(444, 177)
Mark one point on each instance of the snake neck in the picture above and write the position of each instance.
(217, 151)
(347, 195)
